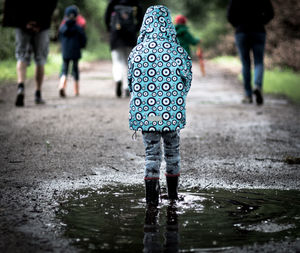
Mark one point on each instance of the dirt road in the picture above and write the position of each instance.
(84, 141)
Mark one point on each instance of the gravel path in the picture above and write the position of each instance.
(85, 142)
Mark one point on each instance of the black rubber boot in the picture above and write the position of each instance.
(119, 88)
(172, 184)
(152, 191)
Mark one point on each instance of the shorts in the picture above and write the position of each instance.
(32, 43)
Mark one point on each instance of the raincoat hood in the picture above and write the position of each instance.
(157, 24)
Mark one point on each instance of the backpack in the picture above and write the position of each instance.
(123, 19)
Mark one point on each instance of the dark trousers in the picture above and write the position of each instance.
(75, 69)
(255, 43)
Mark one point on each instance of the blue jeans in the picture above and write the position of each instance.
(255, 42)
(152, 144)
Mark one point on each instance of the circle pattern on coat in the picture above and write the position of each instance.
(151, 101)
(151, 87)
(138, 116)
(166, 101)
(138, 58)
(137, 72)
(178, 61)
(179, 115)
(137, 102)
(167, 45)
(166, 72)
(137, 87)
(166, 57)
(151, 57)
(180, 86)
(153, 44)
(151, 72)
(179, 101)
(166, 115)
(166, 86)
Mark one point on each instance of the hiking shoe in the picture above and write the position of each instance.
(62, 93)
(259, 97)
(247, 100)
(38, 98)
(20, 95)
(119, 89)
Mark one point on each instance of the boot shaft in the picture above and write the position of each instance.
(152, 191)
(172, 185)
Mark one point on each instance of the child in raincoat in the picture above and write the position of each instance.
(73, 39)
(159, 78)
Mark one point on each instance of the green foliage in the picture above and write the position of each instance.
(7, 45)
(211, 31)
(196, 11)
(206, 19)
(283, 82)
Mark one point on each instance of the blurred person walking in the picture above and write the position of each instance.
(123, 19)
(73, 39)
(32, 19)
(249, 18)
(184, 36)
(186, 40)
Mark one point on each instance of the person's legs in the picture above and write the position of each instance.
(172, 158)
(23, 54)
(75, 73)
(21, 71)
(243, 46)
(40, 44)
(63, 78)
(39, 76)
(259, 40)
(153, 154)
(117, 69)
(171, 152)
(152, 166)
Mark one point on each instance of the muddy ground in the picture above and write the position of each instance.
(82, 142)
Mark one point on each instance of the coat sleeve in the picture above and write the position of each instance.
(186, 71)
(82, 37)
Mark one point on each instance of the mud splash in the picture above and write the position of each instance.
(114, 218)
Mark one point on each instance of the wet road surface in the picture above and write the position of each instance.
(60, 162)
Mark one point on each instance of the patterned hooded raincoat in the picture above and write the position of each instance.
(159, 75)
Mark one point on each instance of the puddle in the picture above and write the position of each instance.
(114, 218)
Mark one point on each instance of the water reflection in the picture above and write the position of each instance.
(152, 240)
(114, 219)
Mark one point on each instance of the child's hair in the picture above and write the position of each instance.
(180, 19)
